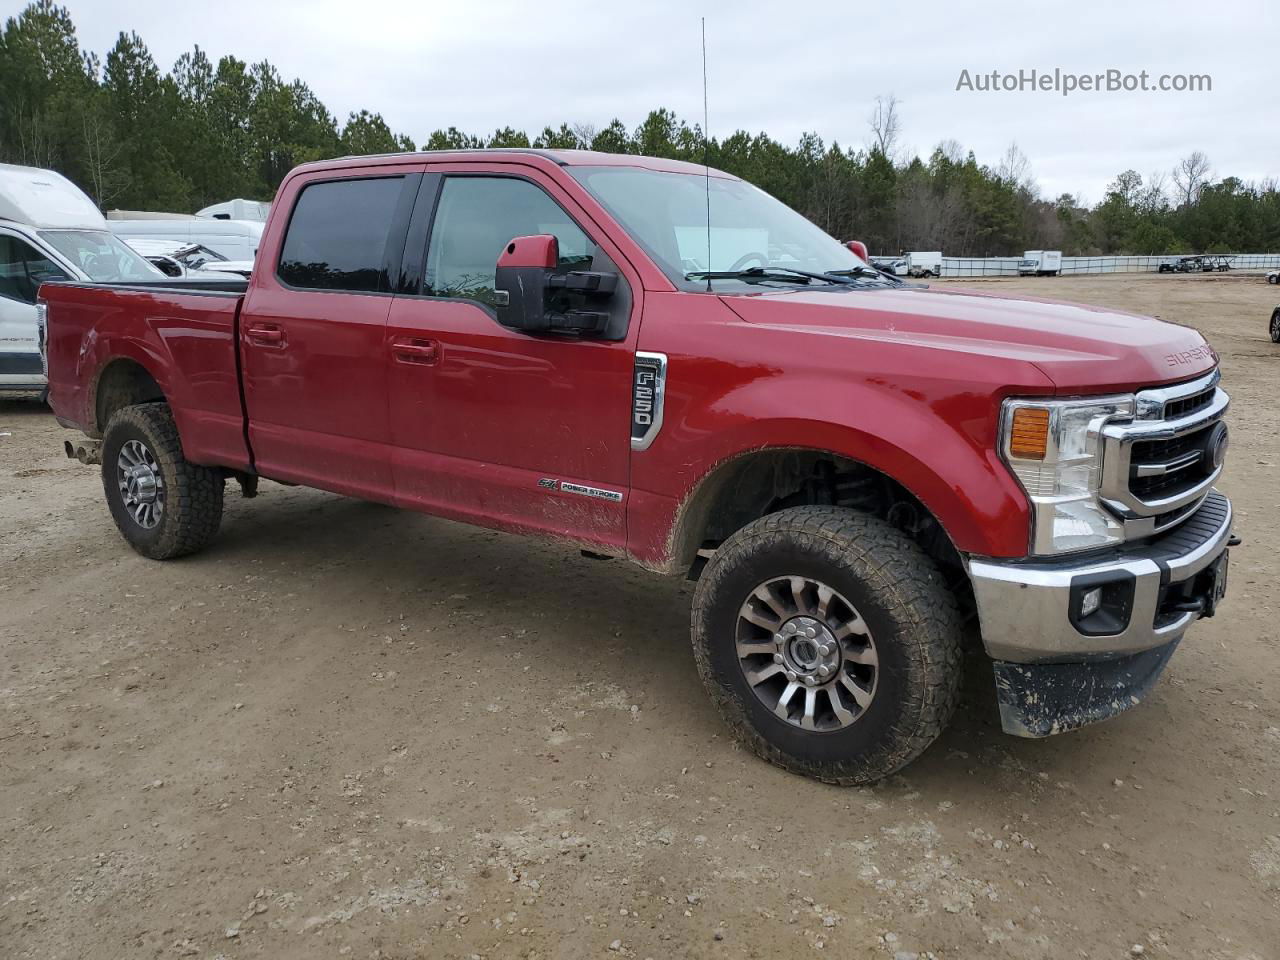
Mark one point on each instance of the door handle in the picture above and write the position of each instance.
(266, 334)
(415, 350)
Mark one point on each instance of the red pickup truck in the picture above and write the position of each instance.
(561, 344)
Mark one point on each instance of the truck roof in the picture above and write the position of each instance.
(43, 198)
(562, 158)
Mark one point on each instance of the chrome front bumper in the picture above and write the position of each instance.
(1025, 606)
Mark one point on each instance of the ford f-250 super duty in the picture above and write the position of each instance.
(558, 343)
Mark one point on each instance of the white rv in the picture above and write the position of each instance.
(1040, 263)
(49, 230)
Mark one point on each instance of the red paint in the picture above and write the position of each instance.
(859, 250)
(541, 250)
(429, 403)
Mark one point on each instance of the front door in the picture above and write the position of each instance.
(22, 269)
(526, 432)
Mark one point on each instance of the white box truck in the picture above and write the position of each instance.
(1040, 263)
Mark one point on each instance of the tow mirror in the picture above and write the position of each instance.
(859, 250)
(532, 293)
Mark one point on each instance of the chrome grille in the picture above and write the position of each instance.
(1173, 409)
(1162, 468)
(1157, 467)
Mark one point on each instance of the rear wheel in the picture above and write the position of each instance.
(1275, 325)
(828, 642)
(163, 505)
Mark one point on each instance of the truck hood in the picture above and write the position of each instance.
(1082, 349)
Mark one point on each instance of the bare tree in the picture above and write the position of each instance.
(102, 151)
(1190, 175)
(952, 151)
(1015, 169)
(1154, 196)
(885, 124)
(585, 132)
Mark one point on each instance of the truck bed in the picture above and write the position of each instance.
(182, 334)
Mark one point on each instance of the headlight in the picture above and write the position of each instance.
(1054, 448)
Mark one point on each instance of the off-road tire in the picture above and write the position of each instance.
(901, 595)
(193, 504)
(1275, 326)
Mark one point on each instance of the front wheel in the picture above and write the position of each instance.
(1275, 326)
(162, 504)
(829, 643)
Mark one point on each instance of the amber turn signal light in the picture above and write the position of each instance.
(1029, 434)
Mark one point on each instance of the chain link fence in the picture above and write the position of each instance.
(1008, 266)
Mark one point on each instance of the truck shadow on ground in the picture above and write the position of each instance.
(622, 624)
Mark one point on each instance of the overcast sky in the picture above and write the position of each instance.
(783, 68)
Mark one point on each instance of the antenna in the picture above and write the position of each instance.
(706, 146)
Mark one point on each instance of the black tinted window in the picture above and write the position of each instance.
(23, 269)
(477, 217)
(337, 235)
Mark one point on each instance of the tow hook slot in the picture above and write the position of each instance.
(86, 451)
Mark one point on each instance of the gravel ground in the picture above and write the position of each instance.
(350, 731)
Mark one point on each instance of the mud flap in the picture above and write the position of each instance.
(1041, 699)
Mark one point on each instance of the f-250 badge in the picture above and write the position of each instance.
(648, 394)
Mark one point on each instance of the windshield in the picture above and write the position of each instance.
(666, 213)
(100, 256)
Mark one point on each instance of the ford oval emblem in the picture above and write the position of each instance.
(1215, 448)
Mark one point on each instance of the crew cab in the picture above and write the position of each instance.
(561, 344)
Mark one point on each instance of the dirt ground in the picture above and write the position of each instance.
(350, 731)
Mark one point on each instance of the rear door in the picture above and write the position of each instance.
(312, 331)
(22, 269)
(494, 425)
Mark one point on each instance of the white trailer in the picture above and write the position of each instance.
(925, 264)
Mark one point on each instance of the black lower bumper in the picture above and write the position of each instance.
(1041, 699)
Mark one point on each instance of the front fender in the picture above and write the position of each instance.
(936, 438)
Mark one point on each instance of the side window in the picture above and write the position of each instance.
(337, 236)
(23, 268)
(478, 216)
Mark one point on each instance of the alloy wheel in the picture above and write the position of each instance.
(141, 484)
(807, 653)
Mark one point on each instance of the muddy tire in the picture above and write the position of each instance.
(164, 506)
(829, 643)
(1275, 326)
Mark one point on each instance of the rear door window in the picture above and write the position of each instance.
(337, 237)
(23, 268)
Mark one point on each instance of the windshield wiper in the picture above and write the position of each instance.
(870, 273)
(769, 273)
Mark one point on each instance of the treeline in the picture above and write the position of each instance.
(136, 138)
